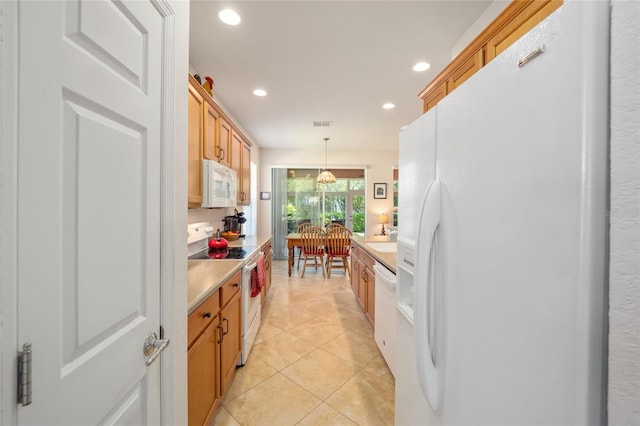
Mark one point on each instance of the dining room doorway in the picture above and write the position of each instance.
(298, 198)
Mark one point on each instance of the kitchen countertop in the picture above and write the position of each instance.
(205, 276)
(386, 258)
(252, 241)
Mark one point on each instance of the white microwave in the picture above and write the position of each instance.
(219, 185)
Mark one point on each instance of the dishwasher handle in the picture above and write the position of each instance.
(385, 276)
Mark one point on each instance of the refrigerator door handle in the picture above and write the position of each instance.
(428, 223)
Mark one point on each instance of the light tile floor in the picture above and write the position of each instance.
(314, 361)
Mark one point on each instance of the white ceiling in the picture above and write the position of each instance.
(326, 60)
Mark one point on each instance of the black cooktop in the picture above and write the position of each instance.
(230, 253)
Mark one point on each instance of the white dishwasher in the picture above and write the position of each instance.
(385, 309)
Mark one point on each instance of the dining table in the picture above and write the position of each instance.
(294, 239)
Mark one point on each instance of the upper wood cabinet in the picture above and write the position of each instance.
(213, 136)
(224, 142)
(515, 21)
(236, 156)
(433, 95)
(210, 134)
(241, 163)
(523, 17)
(245, 181)
(465, 70)
(194, 180)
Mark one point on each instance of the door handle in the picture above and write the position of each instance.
(429, 375)
(152, 347)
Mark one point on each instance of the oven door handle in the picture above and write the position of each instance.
(252, 266)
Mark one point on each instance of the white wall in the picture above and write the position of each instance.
(479, 25)
(378, 167)
(8, 185)
(624, 267)
(176, 320)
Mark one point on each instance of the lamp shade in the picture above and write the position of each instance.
(383, 218)
(326, 177)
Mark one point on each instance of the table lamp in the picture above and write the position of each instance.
(383, 219)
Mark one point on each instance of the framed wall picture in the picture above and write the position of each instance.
(379, 190)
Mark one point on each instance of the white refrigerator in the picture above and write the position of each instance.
(502, 241)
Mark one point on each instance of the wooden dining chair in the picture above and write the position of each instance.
(334, 227)
(312, 248)
(338, 246)
(301, 228)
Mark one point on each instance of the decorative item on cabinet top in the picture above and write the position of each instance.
(208, 85)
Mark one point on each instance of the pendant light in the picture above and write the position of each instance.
(325, 175)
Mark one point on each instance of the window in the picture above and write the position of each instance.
(321, 204)
(395, 197)
(297, 198)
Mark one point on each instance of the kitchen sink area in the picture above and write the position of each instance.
(384, 247)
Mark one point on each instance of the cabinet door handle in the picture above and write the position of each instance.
(206, 315)
(227, 331)
(222, 152)
(221, 334)
(236, 285)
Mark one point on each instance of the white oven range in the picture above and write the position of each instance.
(198, 236)
(251, 310)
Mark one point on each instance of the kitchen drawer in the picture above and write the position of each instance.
(367, 259)
(202, 316)
(230, 288)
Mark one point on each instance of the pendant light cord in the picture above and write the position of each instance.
(325, 153)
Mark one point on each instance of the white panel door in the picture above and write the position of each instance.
(90, 122)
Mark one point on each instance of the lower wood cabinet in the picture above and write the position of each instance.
(230, 339)
(214, 348)
(370, 304)
(363, 281)
(203, 373)
(355, 272)
(268, 258)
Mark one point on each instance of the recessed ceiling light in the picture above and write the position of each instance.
(260, 92)
(229, 17)
(389, 105)
(421, 66)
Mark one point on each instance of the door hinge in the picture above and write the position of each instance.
(161, 332)
(24, 375)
